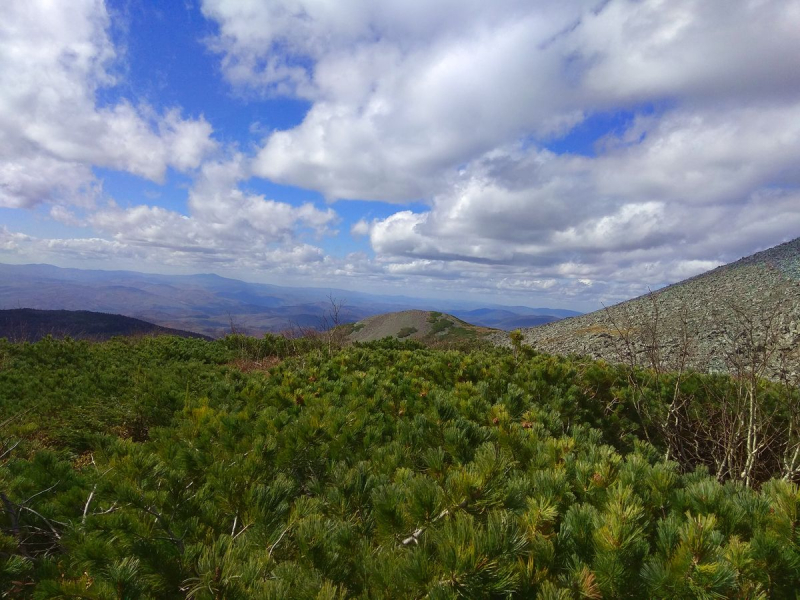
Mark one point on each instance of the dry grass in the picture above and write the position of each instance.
(249, 365)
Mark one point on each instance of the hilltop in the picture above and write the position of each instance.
(430, 327)
(31, 325)
(739, 317)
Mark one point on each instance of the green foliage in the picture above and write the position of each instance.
(406, 331)
(439, 323)
(270, 345)
(156, 468)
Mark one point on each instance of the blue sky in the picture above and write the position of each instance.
(555, 153)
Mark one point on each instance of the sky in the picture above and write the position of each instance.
(562, 153)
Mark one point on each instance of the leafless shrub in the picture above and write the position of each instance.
(331, 324)
(743, 430)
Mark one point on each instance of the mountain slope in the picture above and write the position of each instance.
(31, 325)
(741, 317)
(421, 325)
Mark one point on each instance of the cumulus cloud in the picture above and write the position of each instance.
(28, 178)
(406, 92)
(390, 122)
(655, 211)
(274, 47)
(225, 225)
(64, 215)
(707, 50)
(54, 58)
(126, 249)
(10, 241)
(455, 104)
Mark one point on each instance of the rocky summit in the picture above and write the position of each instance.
(742, 318)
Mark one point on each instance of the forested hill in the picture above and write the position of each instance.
(739, 318)
(164, 467)
(30, 325)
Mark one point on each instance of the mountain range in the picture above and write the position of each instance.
(213, 306)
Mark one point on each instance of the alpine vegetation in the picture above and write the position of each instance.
(276, 468)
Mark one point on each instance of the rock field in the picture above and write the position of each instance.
(740, 317)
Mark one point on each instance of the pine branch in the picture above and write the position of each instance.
(88, 502)
(414, 537)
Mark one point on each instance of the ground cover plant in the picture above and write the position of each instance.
(161, 468)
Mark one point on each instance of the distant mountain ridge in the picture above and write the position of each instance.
(502, 319)
(31, 325)
(512, 317)
(215, 305)
(740, 316)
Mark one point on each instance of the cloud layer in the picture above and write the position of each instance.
(476, 111)
(457, 103)
(224, 223)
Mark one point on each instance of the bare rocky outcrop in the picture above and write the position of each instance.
(740, 317)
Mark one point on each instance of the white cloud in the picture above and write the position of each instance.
(10, 241)
(87, 249)
(405, 93)
(294, 258)
(360, 228)
(708, 155)
(224, 224)
(54, 58)
(274, 46)
(391, 124)
(29, 177)
(64, 215)
(453, 104)
(700, 49)
(647, 213)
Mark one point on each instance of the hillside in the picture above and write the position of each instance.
(31, 325)
(148, 467)
(742, 317)
(430, 327)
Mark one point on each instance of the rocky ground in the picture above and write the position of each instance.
(739, 317)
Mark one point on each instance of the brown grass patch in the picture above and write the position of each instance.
(248, 365)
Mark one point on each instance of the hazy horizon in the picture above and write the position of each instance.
(557, 154)
(340, 293)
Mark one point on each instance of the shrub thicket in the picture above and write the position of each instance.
(156, 469)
